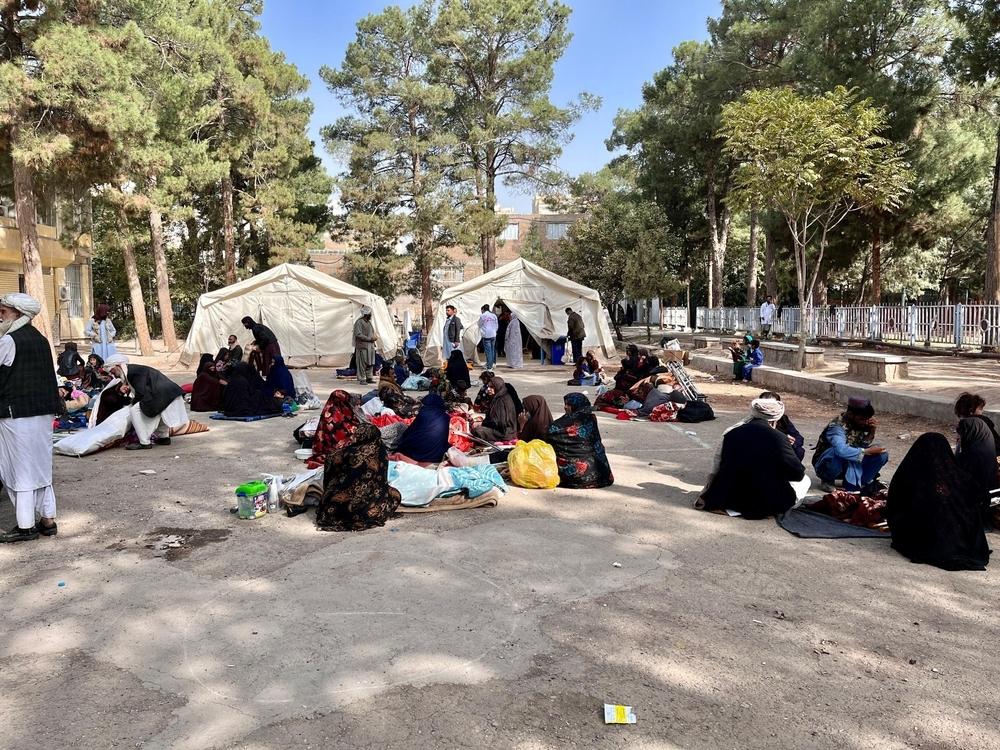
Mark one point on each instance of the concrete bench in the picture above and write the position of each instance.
(877, 368)
(707, 342)
(787, 355)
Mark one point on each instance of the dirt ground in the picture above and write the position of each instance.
(158, 620)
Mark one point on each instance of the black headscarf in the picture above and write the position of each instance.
(977, 451)
(935, 508)
(205, 362)
(458, 370)
(414, 362)
(426, 439)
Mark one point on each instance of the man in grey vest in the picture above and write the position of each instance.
(28, 402)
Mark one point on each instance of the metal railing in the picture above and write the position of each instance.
(954, 325)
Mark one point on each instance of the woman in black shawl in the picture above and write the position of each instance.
(935, 508)
(94, 378)
(356, 491)
(537, 420)
(977, 451)
(501, 419)
(244, 395)
(414, 363)
(206, 391)
(426, 439)
(580, 455)
(458, 371)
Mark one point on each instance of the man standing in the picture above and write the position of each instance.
(364, 346)
(845, 451)
(157, 401)
(235, 350)
(28, 402)
(452, 332)
(575, 332)
(766, 317)
(488, 326)
(266, 342)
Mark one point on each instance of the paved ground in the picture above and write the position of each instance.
(505, 627)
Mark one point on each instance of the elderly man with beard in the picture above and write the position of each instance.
(28, 402)
(157, 401)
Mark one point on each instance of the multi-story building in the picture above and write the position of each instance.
(69, 296)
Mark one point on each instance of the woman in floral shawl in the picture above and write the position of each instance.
(356, 491)
(580, 455)
(337, 423)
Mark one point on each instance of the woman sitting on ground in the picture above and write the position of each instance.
(977, 452)
(457, 371)
(787, 428)
(356, 491)
(972, 405)
(392, 396)
(582, 374)
(70, 364)
(337, 422)
(594, 366)
(935, 508)
(245, 393)
(94, 377)
(576, 439)
(535, 421)
(206, 391)
(279, 379)
(500, 424)
(426, 439)
(414, 363)
(482, 402)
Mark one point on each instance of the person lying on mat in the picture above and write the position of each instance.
(758, 473)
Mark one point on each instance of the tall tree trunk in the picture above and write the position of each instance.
(426, 298)
(752, 261)
(228, 230)
(992, 291)
(31, 259)
(489, 241)
(709, 283)
(138, 301)
(718, 225)
(877, 265)
(162, 279)
(770, 265)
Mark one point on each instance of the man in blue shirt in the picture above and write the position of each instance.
(488, 325)
(845, 451)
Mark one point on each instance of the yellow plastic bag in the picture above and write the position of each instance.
(533, 465)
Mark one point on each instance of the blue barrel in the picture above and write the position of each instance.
(558, 350)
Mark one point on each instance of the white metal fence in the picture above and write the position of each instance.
(956, 325)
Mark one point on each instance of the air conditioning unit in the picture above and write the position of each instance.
(64, 293)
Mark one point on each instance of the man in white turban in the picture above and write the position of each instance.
(758, 473)
(28, 402)
(364, 346)
(157, 401)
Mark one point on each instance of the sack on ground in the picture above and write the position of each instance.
(696, 411)
(533, 465)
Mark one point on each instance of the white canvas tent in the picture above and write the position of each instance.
(538, 297)
(310, 312)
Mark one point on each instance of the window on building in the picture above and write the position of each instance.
(74, 284)
(556, 230)
(509, 232)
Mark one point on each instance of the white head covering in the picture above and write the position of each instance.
(119, 360)
(366, 310)
(23, 303)
(767, 408)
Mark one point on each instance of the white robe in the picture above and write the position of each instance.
(26, 458)
(512, 344)
(174, 416)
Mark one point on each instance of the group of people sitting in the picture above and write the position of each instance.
(236, 388)
(359, 448)
(936, 507)
(747, 357)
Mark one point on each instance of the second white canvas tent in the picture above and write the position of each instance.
(310, 312)
(538, 297)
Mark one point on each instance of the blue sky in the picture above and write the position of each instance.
(617, 45)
